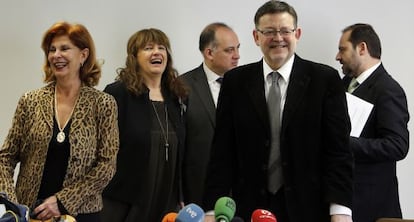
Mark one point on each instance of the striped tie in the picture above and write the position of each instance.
(275, 179)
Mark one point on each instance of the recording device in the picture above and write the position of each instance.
(224, 209)
(170, 217)
(190, 213)
(261, 215)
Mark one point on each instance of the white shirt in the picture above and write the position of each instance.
(212, 83)
(364, 75)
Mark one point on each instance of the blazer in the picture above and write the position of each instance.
(135, 142)
(316, 159)
(93, 142)
(200, 124)
(383, 142)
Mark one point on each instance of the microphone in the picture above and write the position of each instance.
(261, 215)
(170, 217)
(190, 213)
(224, 209)
(237, 219)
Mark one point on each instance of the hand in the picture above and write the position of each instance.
(48, 209)
(209, 218)
(341, 218)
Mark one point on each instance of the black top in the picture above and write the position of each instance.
(163, 187)
(56, 163)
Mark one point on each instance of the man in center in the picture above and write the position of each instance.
(219, 46)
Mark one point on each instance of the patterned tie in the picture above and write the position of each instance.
(275, 178)
(353, 85)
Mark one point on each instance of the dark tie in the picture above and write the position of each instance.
(274, 165)
(220, 80)
(353, 85)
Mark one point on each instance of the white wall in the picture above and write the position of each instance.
(23, 22)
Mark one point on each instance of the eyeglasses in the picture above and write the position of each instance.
(272, 32)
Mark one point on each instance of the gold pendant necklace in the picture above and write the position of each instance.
(61, 136)
(164, 133)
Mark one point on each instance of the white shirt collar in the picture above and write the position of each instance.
(364, 75)
(211, 76)
(284, 70)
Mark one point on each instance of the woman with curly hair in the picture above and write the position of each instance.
(147, 183)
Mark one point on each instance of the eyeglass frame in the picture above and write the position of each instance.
(270, 33)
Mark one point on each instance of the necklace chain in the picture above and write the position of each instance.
(60, 137)
(164, 133)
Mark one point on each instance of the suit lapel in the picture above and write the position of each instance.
(298, 84)
(86, 101)
(254, 85)
(202, 90)
(369, 82)
(47, 104)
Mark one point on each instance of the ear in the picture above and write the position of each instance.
(208, 53)
(362, 48)
(84, 54)
(298, 33)
(256, 37)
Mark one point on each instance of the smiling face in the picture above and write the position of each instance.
(277, 49)
(65, 58)
(152, 59)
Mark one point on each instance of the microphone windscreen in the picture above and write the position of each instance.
(170, 217)
(190, 213)
(224, 209)
(261, 215)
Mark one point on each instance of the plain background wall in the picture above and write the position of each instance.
(111, 23)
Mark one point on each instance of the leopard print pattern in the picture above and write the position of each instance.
(94, 143)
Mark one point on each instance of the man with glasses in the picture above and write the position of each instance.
(384, 139)
(282, 131)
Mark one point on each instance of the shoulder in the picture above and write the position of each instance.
(385, 82)
(196, 71)
(37, 95)
(313, 66)
(115, 87)
(92, 94)
(245, 70)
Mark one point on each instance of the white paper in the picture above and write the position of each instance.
(358, 110)
(2, 209)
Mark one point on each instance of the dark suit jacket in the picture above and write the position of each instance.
(200, 123)
(134, 120)
(383, 141)
(316, 159)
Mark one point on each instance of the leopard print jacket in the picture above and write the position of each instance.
(94, 143)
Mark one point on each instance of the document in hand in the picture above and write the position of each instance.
(358, 110)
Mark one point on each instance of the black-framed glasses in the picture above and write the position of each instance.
(285, 32)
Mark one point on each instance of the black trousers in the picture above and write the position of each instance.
(92, 217)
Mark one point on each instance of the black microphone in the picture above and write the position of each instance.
(237, 219)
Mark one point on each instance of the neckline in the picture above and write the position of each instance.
(61, 134)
